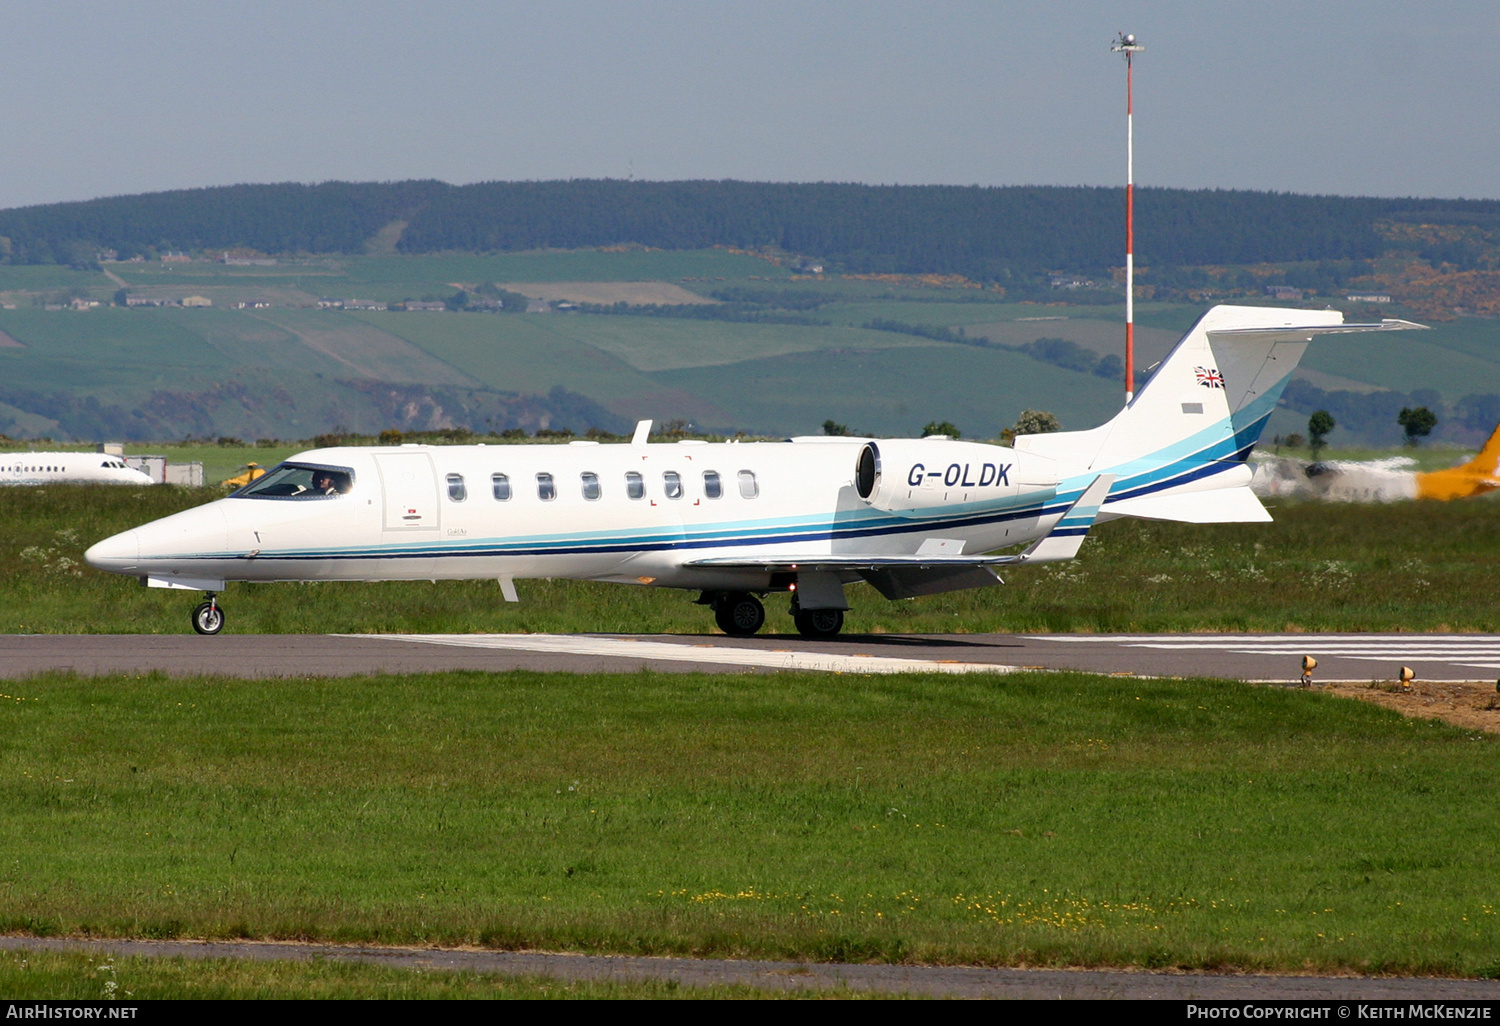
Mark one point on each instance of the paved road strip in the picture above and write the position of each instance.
(629, 648)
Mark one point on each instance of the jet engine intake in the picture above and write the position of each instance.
(913, 474)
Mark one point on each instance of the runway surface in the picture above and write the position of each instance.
(1254, 657)
(926, 981)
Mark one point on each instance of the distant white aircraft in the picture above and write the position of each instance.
(40, 468)
(738, 521)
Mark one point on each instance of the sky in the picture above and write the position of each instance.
(1371, 98)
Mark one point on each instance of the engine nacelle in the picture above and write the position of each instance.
(897, 474)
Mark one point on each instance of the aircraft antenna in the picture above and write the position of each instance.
(1126, 44)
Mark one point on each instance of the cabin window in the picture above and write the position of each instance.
(500, 487)
(546, 488)
(712, 486)
(299, 481)
(749, 487)
(457, 492)
(590, 482)
(635, 485)
(671, 483)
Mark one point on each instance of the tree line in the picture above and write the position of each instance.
(984, 233)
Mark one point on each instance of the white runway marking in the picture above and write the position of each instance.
(628, 648)
(1481, 651)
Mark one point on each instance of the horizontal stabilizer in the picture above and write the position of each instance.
(1220, 506)
(1302, 333)
(1067, 537)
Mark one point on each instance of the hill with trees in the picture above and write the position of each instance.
(990, 234)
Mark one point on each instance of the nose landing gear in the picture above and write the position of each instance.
(208, 618)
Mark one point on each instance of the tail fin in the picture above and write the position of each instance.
(1194, 423)
(1488, 460)
(1479, 475)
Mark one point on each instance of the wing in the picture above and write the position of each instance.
(930, 573)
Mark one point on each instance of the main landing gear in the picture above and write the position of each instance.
(208, 618)
(817, 623)
(740, 614)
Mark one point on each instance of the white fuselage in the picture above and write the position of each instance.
(432, 512)
(40, 468)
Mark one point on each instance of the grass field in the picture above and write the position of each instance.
(22, 278)
(102, 350)
(898, 391)
(518, 353)
(1320, 567)
(1041, 819)
(571, 265)
(35, 975)
(725, 375)
(1409, 361)
(664, 344)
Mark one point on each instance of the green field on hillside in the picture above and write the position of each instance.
(722, 374)
(931, 312)
(1037, 819)
(1408, 361)
(18, 278)
(898, 391)
(398, 277)
(533, 355)
(664, 344)
(575, 265)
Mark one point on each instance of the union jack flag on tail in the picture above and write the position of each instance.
(1209, 377)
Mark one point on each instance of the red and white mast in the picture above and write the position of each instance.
(1127, 45)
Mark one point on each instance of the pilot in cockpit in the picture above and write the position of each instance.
(329, 482)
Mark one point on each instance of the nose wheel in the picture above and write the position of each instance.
(208, 618)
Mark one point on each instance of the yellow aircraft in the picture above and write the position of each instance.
(251, 472)
(1473, 478)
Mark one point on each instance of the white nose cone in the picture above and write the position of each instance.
(120, 554)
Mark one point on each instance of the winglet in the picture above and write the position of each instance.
(1067, 537)
(642, 432)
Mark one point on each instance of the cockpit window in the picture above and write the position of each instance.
(299, 481)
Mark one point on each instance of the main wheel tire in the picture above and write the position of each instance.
(739, 615)
(819, 623)
(208, 618)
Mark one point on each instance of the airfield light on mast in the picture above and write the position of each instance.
(1127, 45)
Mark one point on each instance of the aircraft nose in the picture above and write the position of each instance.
(118, 554)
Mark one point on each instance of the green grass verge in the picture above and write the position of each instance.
(69, 976)
(1412, 566)
(1042, 819)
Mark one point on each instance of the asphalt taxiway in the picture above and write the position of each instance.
(1269, 658)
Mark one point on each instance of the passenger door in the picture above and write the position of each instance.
(409, 486)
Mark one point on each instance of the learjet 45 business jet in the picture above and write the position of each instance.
(738, 521)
